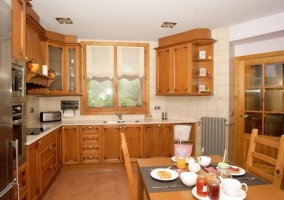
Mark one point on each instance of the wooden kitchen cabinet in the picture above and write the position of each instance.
(90, 144)
(111, 144)
(184, 66)
(70, 145)
(173, 70)
(134, 138)
(158, 140)
(22, 182)
(41, 165)
(59, 148)
(19, 29)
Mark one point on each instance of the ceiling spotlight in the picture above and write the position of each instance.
(64, 20)
(168, 24)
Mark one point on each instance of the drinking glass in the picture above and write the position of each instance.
(181, 160)
(214, 188)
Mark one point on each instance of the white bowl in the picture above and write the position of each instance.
(188, 178)
(204, 161)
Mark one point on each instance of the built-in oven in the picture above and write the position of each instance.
(18, 80)
(19, 131)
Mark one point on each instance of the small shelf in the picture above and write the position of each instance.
(39, 80)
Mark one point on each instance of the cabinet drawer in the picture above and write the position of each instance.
(47, 175)
(90, 148)
(46, 140)
(90, 158)
(90, 129)
(46, 155)
(90, 138)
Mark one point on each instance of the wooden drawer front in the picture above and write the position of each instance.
(22, 182)
(90, 138)
(91, 148)
(45, 157)
(90, 158)
(90, 129)
(47, 174)
(46, 140)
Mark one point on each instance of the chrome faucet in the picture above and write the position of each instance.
(119, 115)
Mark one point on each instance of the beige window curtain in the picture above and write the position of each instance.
(100, 61)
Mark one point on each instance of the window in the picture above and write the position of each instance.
(115, 78)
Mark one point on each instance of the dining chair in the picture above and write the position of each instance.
(128, 167)
(277, 164)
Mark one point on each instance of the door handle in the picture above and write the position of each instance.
(244, 116)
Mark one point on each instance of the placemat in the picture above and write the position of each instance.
(151, 182)
(256, 181)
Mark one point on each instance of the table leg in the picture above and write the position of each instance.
(140, 187)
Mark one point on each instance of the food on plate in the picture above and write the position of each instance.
(164, 174)
(234, 169)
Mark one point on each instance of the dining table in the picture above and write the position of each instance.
(258, 189)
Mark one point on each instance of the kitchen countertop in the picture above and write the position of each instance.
(54, 125)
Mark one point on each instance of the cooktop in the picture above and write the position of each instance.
(36, 131)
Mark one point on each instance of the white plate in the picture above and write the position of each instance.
(174, 174)
(223, 195)
(174, 159)
(242, 172)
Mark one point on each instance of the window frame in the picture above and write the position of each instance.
(85, 110)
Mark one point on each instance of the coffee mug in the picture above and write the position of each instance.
(232, 187)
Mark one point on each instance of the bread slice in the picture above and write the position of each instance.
(234, 169)
(164, 174)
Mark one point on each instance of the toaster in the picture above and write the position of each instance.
(51, 116)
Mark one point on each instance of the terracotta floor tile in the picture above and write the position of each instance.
(91, 185)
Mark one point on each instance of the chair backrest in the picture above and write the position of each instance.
(276, 163)
(128, 167)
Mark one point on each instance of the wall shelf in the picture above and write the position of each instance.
(35, 80)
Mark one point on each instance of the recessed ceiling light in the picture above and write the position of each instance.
(64, 20)
(168, 24)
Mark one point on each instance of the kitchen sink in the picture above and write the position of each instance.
(120, 121)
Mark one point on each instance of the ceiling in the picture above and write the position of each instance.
(141, 20)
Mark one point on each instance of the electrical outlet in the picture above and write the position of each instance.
(157, 107)
(32, 110)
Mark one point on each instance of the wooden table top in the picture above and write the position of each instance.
(259, 192)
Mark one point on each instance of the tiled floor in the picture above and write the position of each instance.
(89, 184)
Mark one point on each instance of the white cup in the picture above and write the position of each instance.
(232, 187)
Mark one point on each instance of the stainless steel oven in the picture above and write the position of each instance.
(18, 80)
(19, 130)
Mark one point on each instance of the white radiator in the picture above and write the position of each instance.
(213, 135)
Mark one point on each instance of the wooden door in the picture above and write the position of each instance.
(111, 144)
(180, 65)
(59, 148)
(70, 145)
(133, 135)
(259, 100)
(163, 82)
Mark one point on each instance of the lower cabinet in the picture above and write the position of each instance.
(41, 164)
(158, 140)
(111, 144)
(22, 182)
(134, 138)
(90, 144)
(70, 145)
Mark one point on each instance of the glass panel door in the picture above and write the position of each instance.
(55, 63)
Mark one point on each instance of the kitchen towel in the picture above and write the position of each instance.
(69, 113)
(182, 132)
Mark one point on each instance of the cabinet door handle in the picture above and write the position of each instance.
(159, 125)
(90, 127)
(90, 137)
(90, 147)
(90, 156)
(50, 148)
(51, 166)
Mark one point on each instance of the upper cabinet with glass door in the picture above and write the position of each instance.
(64, 61)
(116, 78)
